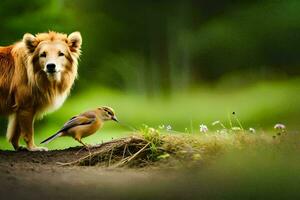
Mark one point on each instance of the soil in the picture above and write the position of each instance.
(36, 175)
(40, 175)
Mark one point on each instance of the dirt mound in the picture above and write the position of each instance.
(143, 150)
(117, 152)
(128, 151)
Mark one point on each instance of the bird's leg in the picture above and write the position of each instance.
(85, 146)
(80, 141)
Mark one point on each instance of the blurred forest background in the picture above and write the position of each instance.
(180, 62)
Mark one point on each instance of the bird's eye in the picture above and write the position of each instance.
(109, 113)
(61, 54)
(43, 55)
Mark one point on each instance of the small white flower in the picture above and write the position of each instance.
(252, 130)
(169, 127)
(215, 123)
(279, 126)
(203, 128)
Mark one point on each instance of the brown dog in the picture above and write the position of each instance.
(36, 76)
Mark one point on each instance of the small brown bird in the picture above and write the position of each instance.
(85, 124)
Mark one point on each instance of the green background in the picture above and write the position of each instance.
(179, 63)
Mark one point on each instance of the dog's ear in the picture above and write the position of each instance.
(75, 40)
(30, 42)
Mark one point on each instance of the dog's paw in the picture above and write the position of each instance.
(21, 148)
(37, 149)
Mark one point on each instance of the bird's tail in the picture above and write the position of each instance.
(49, 139)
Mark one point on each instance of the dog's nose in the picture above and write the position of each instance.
(51, 67)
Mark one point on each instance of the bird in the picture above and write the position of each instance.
(84, 124)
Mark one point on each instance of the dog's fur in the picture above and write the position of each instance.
(27, 88)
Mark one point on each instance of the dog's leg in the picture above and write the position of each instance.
(25, 119)
(13, 132)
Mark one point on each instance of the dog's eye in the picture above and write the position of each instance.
(61, 54)
(43, 54)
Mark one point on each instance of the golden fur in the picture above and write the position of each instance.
(26, 90)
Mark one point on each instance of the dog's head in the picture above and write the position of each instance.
(53, 54)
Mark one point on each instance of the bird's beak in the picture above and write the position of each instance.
(115, 119)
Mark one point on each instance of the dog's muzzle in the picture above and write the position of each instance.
(51, 68)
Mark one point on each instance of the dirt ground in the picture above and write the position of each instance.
(36, 175)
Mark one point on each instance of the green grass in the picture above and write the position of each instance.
(150, 147)
(208, 145)
(259, 106)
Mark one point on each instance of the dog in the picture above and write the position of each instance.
(36, 76)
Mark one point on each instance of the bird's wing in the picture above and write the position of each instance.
(70, 120)
(77, 121)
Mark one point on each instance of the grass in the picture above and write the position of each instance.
(207, 146)
(151, 145)
(160, 147)
(259, 106)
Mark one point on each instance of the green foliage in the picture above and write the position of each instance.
(19, 17)
(153, 137)
(259, 107)
(166, 46)
(155, 60)
(182, 149)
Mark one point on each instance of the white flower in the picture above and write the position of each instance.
(203, 128)
(169, 127)
(252, 130)
(215, 123)
(279, 126)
